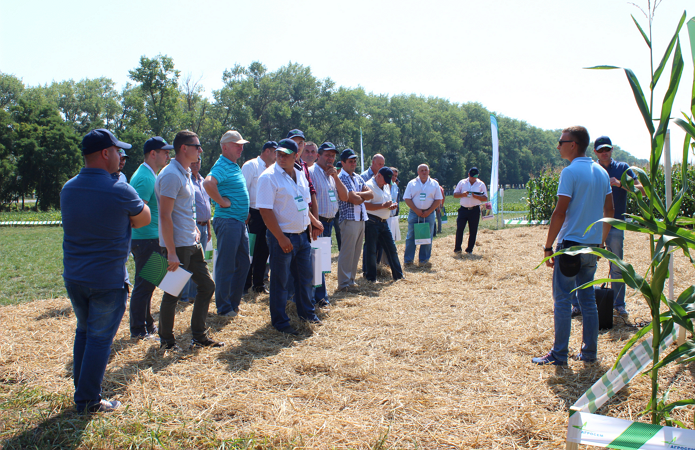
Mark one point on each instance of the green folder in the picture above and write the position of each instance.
(422, 234)
(252, 244)
(155, 269)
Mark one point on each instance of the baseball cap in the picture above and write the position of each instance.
(99, 139)
(603, 141)
(287, 146)
(122, 153)
(156, 143)
(233, 136)
(348, 153)
(296, 133)
(387, 173)
(339, 165)
(327, 147)
(270, 144)
(474, 172)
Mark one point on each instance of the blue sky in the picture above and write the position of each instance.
(519, 59)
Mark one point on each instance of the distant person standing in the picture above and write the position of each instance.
(329, 190)
(180, 241)
(353, 215)
(423, 196)
(471, 192)
(283, 196)
(252, 170)
(378, 161)
(121, 165)
(146, 239)
(226, 186)
(98, 214)
(439, 211)
(603, 148)
(395, 197)
(379, 209)
(583, 197)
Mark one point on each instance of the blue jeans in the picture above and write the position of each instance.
(99, 313)
(320, 292)
(232, 263)
(425, 250)
(141, 321)
(379, 232)
(298, 263)
(190, 290)
(562, 286)
(614, 243)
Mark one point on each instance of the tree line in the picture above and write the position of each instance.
(41, 126)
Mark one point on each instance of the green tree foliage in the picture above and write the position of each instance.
(159, 83)
(11, 89)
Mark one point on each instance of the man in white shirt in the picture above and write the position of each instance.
(121, 165)
(376, 229)
(422, 195)
(471, 192)
(283, 200)
(251, 170)
(329, 189)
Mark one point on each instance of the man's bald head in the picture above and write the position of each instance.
(378, 162)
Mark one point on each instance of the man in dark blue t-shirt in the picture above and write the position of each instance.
(98, 214)
(603, 148)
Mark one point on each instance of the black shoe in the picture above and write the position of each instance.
(576, 311)
(205, 343)
(170, 347)
(457, 251)
(289, 330)
(261, 290)
(323, 303)
(314, 321)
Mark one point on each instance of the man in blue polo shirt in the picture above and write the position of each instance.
(583, 197)
(603, 148)
(98, 214)
(146, 239)
(226, 186)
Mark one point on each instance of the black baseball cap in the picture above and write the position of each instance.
(296, 133)
(287, 146)
(270, 144)
(348, 153)
(603, 141)
(327, 147)
(474, 172)
(156, 143)
(99, 139)
(387, 173)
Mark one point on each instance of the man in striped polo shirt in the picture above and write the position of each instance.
(226, 186)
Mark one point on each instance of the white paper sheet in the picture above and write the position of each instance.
(316, 263)
(174, 282)
(324, 244)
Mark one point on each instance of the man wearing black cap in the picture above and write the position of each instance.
(283, 196)
(252, 169)
(353, 215)
(298, 137)
(121, 165)
(146, 239)
(98, 215)
(471, 192)
(329, 190)
(603, 149)
(376, 229)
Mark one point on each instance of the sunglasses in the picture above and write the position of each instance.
(604, 150)
(560, 142)
(194, 145)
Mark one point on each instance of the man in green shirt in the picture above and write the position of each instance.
(146, 239)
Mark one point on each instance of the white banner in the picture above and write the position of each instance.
(494, 178)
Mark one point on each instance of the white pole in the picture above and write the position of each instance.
(502, 202)
(361, 152)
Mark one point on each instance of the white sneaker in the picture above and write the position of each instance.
(108, 406)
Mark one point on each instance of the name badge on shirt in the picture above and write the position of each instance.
(331, 196)
(423, 196)
(299, 202)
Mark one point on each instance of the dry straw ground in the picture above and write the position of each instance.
(441, 360)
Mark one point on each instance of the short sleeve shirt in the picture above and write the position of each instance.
(327, 203)
(232, 185)
(252, 169)
(174, 181)
(380, 196)
(143, 182)
(587, 184)
(466, 186)
(348, 211)
(423, 194)
(96, 211)
(280, 193)
(616, 169)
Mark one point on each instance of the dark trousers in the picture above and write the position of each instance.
(193, 260)
(141, 322)
(378, 232)
(336, 221)
(472, 217)
(260, 250)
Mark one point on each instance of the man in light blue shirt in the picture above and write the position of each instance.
(584, 198)
(226, 186)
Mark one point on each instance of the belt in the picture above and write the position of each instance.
(375, 218)
(202, 223)
(471, 207)
(326, 219)
(299, 232)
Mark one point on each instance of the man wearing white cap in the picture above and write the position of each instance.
(226, 186)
